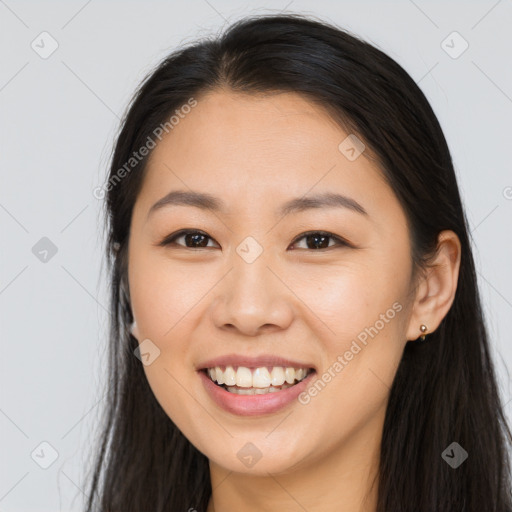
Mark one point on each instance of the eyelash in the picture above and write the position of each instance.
(170, 240)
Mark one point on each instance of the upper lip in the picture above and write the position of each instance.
(252, 362)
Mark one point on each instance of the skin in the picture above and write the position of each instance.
(254, 153)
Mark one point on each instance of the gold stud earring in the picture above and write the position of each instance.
(423, 329)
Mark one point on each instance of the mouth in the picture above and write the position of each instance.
(242, 380)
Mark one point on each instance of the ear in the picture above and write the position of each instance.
(435, 290)
(134, 329)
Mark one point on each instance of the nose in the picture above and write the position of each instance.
(252, 299)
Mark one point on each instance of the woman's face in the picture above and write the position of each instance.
(251, 285)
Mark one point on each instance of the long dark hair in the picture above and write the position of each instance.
(445, 389)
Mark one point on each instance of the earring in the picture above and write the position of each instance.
(132, 327)
(423, 329)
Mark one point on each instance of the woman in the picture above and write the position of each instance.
(296, 323)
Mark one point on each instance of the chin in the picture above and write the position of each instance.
(257, 457)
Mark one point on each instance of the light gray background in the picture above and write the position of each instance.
(58, 119)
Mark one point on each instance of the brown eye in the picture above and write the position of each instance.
(193, 239)
(317, 240)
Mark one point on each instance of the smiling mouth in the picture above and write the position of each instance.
(256, 381)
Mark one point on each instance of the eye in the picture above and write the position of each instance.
(319, 240)
(194, 239)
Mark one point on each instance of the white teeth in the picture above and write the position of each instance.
(259, 378)
(277, 376)
(229, 376)
(257, 391)
(243, 377)
(289, 375)
(219, 375)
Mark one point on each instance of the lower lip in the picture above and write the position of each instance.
(253, 405)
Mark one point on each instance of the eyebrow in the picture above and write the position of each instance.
(207, 201)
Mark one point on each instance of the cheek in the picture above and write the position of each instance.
(348, 298)
(163, 296)
(362, 309)
(162, 292)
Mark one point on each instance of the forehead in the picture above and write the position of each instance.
(259, 149)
